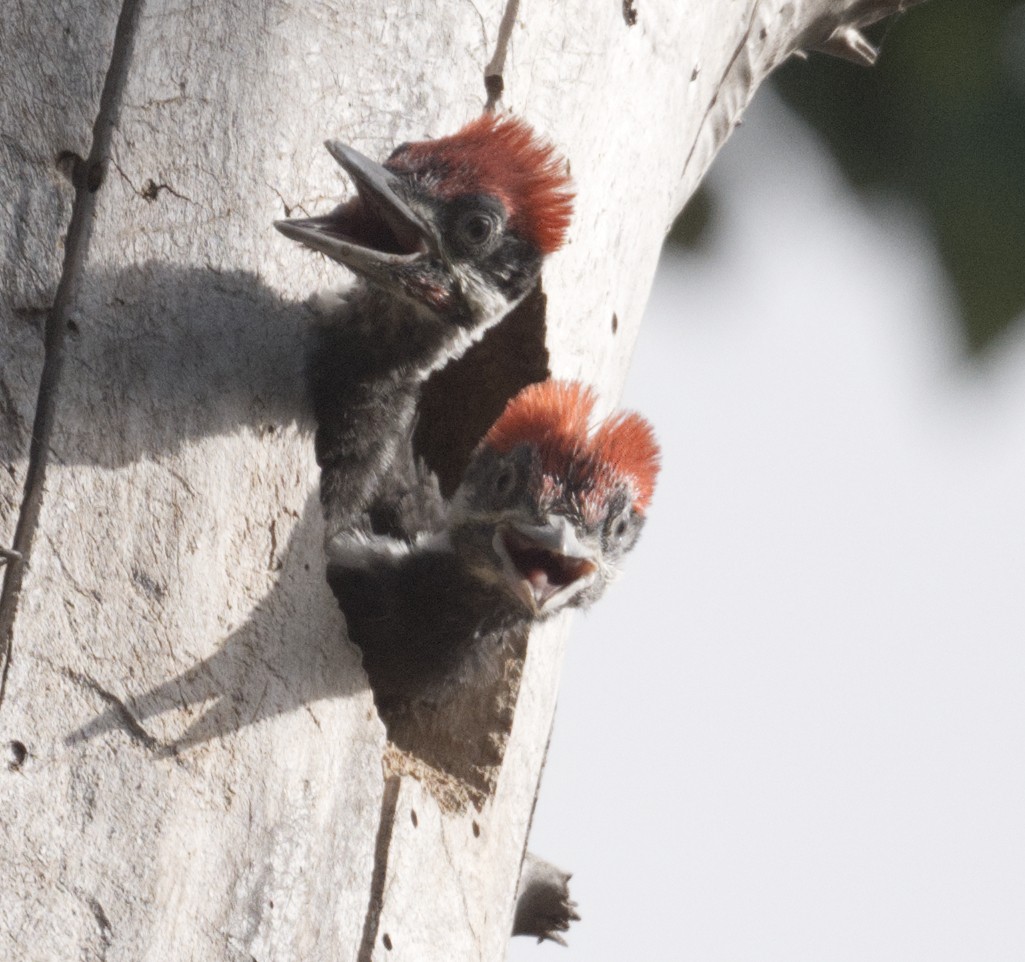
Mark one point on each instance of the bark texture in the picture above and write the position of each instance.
(194, 767)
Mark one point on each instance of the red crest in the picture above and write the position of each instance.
(503, 157)
(555, 417)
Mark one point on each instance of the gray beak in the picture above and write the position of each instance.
(373, 234)
(547, 565)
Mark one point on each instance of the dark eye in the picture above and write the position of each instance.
(619, 528)
(476, 228)
(504, 481)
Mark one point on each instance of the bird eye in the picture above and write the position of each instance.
(619, 528)
(504, 481)
(476, 228)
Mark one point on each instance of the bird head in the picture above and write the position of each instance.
(549, 505)
(459, 224)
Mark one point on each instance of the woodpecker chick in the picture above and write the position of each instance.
(556, 505)
(546, 512)
(446, 238)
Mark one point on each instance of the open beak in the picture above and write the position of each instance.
(546, 565)
(375, 233)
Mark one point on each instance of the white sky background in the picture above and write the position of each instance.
(795, 730)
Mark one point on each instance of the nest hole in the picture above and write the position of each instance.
(456, 748)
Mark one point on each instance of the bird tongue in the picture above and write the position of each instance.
(540, 586)
(544, 571)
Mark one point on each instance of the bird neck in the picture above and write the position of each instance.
(392, 336)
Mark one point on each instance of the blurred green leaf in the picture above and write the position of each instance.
(940, 120)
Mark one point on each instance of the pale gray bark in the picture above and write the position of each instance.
(194, 767)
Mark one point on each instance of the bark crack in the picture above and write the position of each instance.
(537, 793)
(104, 925)
(462, 889)
(150, 190)
(385, 827)
(76, 247)
(738, 50)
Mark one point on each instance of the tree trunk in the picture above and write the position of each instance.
(195, 769)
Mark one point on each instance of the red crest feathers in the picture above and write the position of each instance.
(555, 416)
(555, 413)
(627, 442)
(502, 156)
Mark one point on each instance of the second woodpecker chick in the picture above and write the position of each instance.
(446, 238)
(547, 510)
